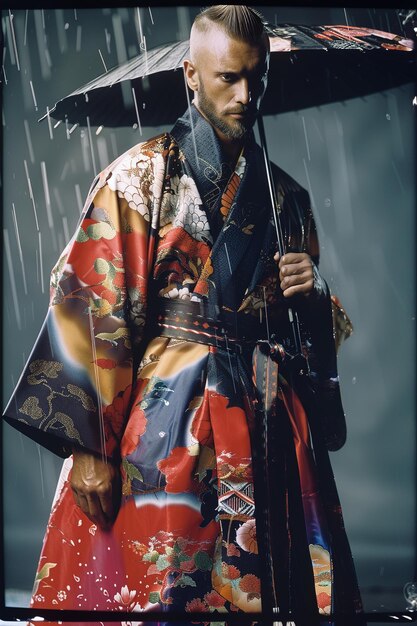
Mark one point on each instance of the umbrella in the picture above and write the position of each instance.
(310, 66)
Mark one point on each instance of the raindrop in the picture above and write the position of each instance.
(388, 116)
(191, 117)
(354, 380)
(66, 26)
(31, 194)
(78, 39)
(91, 146)
(140, 26)
(41, 470)
(11, 16)
(58, 201)
(41, 261)
(51, 135)
(229, 359)
(310, 190)
(397, 174)
(99, 129)
(12, 277)
(108, 38)
(26, 27)
(97, 381)
(137, 110)
(29, 141)
(102, 60)
(61, 31)
(64, 171)
(48, 58)
(4, 71)
(150, 14)
(103, 155)
(47, 195)
(79, 198)
(114, 145)
(19, 248)
(306, 138)
(228, 259)
(33, 95)
(327, 203)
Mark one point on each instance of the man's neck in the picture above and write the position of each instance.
(231, 148)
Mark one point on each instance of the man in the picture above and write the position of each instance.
(191, 483)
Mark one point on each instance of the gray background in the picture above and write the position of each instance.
(356, 158)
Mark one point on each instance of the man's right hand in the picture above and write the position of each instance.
(96, 486)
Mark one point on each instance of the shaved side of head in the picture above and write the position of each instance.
(238, 22)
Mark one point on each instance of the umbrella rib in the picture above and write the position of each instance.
(154, 67)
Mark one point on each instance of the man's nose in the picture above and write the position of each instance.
(243, 92)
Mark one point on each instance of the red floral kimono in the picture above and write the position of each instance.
(181, 398)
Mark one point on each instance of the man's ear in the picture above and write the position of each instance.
(191, 75)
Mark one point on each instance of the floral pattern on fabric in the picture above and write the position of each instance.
(184, 418)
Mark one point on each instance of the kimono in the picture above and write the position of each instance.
(165, 348)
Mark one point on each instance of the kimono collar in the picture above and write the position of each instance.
(206, 161)
(238, 240)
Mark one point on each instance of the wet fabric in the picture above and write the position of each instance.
(188, 419)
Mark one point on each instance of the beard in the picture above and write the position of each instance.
(236, 129)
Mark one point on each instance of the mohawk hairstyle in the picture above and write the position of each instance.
(238, 21)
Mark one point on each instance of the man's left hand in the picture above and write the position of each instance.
(296, 273)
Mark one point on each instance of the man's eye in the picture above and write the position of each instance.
(227, 78)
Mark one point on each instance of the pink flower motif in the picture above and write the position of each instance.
(250, 584)
(214, 599)
(125, 599)
(196, 605)
(246, 537)
(323, 601)
(39, 598)
(164, 537)
(230, 571)
(188, 566)
(232, 550)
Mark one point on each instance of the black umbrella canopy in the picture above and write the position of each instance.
(310, 66)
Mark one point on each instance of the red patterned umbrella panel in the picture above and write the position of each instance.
(310, 66)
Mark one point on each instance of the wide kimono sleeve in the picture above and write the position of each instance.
(324, 325)
(76, 386)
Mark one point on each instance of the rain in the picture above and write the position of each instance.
(103, 61)
(356, 160)
(33, 95)
(20, 248)
(97, 381)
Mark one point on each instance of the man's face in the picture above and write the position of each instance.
(232, 78)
